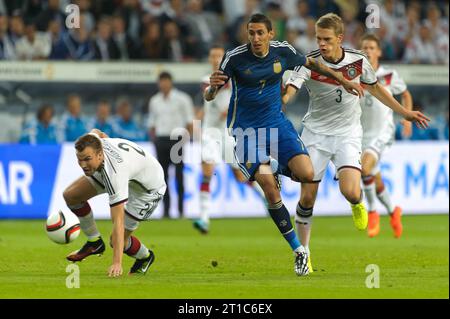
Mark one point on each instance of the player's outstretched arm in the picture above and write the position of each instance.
(216, 81)
(99, 133)
(117, 240)
(379, 92)
(319, 67)
(288, 94)
(407, 103)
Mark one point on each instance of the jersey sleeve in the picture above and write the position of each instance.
(226, 64)
(398, 86)
(295, 60)
(297, 78)
(368, 75)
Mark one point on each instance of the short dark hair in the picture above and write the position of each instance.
(260, 18)
(88, 140)
(371, 37)
(42, 110)
(165, 75)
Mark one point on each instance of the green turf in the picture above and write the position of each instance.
(253, 259)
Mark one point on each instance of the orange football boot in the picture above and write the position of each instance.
(396, 222)
(374, 224)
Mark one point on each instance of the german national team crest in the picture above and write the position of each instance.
(248, 165)
(277, 68)
(351, 72)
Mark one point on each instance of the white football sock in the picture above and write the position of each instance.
(88, 226)
(303, 220)
(205, 203)
(370, 192)
(385, 199)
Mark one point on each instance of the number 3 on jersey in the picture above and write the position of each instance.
(339, 98)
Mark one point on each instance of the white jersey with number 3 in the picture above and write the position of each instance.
(127, 165)
(376, 117)
(332, 110)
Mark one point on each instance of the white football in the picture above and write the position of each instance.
(63, 227)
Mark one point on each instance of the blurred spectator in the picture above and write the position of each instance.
(132, 14)
(59, 50)
(102, 120)
(306, 42)
(437, 25)
(177, 13)
(105, 47)
(422, 48)
(234, 30)
(205, 27)
(43, 129)
(389, 19)
(319, 8)
(88, 16)
(72, 125)
(80, 45)
(171, 112)
(7, 50)
(152, 46)
(387, 47)
(439, 32)
(353, 29)
(408, 28)
(173, 46)
(33, 45)
(278, 18)
(155, 8)
(123, 124)
(16, 28)
(51, 13)
(125, 44)
(298, 22)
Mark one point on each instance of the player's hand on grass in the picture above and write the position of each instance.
(218, 78)
(353, 88)
(418, 117)
(115, 270)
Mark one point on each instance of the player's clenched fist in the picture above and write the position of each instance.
(218, 78)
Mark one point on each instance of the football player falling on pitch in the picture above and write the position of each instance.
(134, 182)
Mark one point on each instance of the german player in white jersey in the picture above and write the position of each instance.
(378, 134)
(332, 127)
(134, 182)
(217, 144)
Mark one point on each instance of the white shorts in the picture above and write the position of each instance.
(217, 147)
(140, 204)
(342, 151)
(378, 144)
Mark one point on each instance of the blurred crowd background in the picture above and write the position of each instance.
(411, 32)
(183, 30)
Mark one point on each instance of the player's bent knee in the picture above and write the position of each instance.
(353, 196)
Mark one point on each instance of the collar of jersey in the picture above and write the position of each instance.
(338, 61)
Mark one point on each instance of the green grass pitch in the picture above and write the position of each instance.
(254, 261)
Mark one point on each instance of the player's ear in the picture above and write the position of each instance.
(271, 35)
(340, 38)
